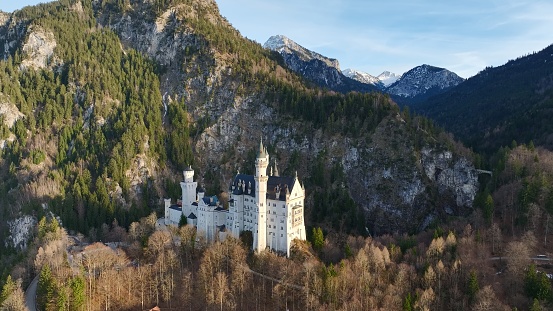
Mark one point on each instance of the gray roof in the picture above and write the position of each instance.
(192, 216)
(247, 180)
(283, 182)
(175, 207)
(211, 201)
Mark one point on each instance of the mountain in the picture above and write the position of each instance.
(500, 104)
(363, 77)
(323, 71)
(387, 78)
(110, 100)
(285, 45)
(422, 82)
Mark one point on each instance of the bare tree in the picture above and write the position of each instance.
(221, 287)
(487, 301)
(517, 255)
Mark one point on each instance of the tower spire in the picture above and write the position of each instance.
(262, 153)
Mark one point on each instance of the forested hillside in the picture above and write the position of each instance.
(499, 105)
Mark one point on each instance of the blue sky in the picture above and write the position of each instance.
(396, 35)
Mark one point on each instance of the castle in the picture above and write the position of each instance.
(269, 206)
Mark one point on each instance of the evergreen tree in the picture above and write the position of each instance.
(318, 239)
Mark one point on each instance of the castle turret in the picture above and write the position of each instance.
(167, 211)
(188, 187)
(261, 163)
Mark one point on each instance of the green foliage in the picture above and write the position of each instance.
(179, 149)
(317, 239)
(8, 288)
(472, 286)
(182, 221)
(535, 305)
(406, 242)
(78, 293)
(537, 285)
(332, 201)
(46, 290)
(246, 237)
(4, 130)
(37, 156)
(48, 230)
(408, 303)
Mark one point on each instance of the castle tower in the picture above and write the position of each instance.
(188, 186)
(261, 178)
(167, 211)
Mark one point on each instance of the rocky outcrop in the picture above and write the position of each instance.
(21, 230)
(402, 189)
(9, 111)
(453, 176)
(38, 49)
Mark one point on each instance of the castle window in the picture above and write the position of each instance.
(281, 235)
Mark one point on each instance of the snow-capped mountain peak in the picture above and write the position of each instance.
(387, 78)
(424, 80)
(361, 76)
(283, 44)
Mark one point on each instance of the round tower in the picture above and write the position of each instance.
(188, 187)
(261, 178)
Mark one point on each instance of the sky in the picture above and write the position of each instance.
(395, 35)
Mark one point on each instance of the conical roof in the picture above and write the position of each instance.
(262, 153)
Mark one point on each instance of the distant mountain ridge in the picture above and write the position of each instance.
(321, 70)
(413, 86)
(363, 77)
(422, 82)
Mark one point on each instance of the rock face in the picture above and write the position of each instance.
(21, 230)
(386, 176)
(315, 67)
(424, 81)
(456, 177)
(38, 49)
(9, 111)
(404, 190)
